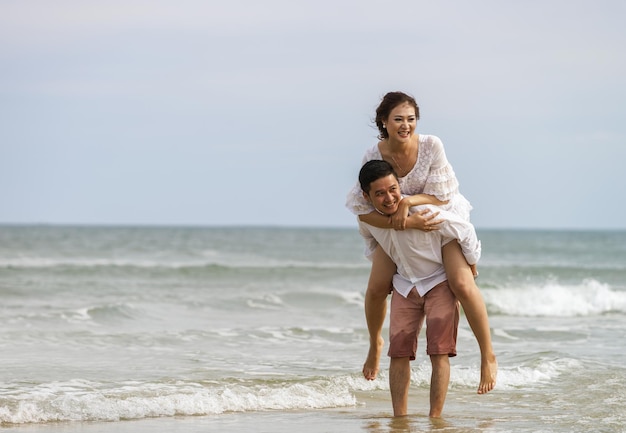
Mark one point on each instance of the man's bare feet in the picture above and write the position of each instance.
(488, 374)
(370, 368)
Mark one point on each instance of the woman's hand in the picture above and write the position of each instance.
(401, 219)
(424, 220)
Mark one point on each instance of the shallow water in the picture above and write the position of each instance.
(236, 327)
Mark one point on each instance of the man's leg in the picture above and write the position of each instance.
(378, 287)
(439, 381)
(399, 380)
(442, 321)
(464, 287)
(406, 320)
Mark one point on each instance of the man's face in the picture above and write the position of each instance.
(385, 194)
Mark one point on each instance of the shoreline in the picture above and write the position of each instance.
(372, 414)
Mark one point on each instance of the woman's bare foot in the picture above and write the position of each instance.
(488, 374)
(372, 362)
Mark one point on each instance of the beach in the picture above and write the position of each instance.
(230, 329)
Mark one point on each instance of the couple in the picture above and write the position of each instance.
(423, 170)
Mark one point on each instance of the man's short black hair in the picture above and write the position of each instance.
(372, 171)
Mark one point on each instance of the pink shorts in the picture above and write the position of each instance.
(441, 310)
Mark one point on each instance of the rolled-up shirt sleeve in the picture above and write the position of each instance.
(370, 242)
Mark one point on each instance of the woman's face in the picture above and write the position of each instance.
(401, 122)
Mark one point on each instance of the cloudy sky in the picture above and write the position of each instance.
(245, 112)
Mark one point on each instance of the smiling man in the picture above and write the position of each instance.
(420, 287)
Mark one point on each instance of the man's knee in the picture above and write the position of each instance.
(399, 363)
(439, 360)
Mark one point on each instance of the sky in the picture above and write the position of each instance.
(241, 112)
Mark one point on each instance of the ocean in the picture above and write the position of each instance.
(232, 329)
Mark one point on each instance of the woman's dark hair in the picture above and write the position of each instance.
(372, 171)
(390, 101)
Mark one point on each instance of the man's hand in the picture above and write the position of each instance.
(398, 219)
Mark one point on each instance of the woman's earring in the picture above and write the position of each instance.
(384, 126)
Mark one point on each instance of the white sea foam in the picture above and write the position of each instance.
(590, 297)
(542, 373)
(509, 377)
(85, 401)
(353, 298)
(81, 400)
(267, 301)
(88, 315)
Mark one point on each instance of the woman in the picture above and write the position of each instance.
(426, 177)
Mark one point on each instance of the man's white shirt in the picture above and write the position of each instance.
(417, 254)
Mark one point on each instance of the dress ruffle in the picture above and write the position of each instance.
(356, 203)
(432, 174)
(442, 183)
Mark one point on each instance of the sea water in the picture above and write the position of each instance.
(133, 323)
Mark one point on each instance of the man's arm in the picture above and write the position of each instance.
(422, 220)
(370, 242)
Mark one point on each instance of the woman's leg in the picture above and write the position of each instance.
(462, 284)
(378, 288)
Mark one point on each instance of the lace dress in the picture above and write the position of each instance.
(432, 174)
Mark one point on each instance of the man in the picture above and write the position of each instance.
(420, 286)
